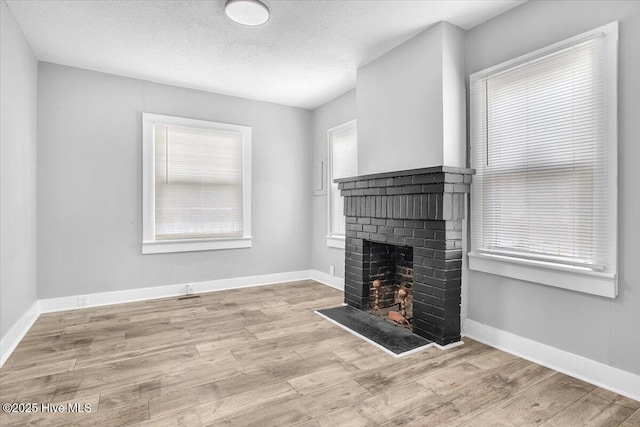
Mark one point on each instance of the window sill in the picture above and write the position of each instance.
(546, 273)
(193, 245)
(336, 242)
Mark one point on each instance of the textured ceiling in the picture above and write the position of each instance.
(306, 54)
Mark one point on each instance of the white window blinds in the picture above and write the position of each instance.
(542, 158)
(198, 183)
(343, 164)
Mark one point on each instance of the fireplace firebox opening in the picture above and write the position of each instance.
(391, 282)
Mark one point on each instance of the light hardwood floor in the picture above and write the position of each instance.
(261, 357)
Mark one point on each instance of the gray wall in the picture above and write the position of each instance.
(454, 96)
(598, 328)
(408, 104)
(333, 113)
(90, 184)
(400, 106)
(19, 70)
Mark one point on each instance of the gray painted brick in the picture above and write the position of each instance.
(413, 224)
(453, 177)
(424, 206)
(405, 232)
(458, 206)
(394, 190)
(352, 262)
(412, 241)
(461, 188)
(417, 206)
(447, 206)
(412, 189)
(433, 206)
(385, 230)
(453, 225)
(354, 227)
(378, 237)
(378, 221)
(395, 240)
(383, 182)
(450, 254)
(409, 213)
(402, 180)
(427, 179)
(434, 225)
(421, 269)
(424, 252)
(433, 188)
(434, 244)
(447, 274)
(396, 207)
(448, 293)
(423, 234)
(453, 235)
(355, 242)
(374, 191)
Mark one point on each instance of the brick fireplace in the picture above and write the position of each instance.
(405, 228)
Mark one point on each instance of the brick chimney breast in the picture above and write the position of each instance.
(422, 209)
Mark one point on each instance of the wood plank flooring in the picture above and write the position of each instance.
(261, 357)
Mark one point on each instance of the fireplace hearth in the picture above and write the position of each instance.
(405, 229)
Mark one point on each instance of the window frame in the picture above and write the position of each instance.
(335, 240)
(152, 246)
(576, 278)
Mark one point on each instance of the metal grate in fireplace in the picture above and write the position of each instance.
(391, 276)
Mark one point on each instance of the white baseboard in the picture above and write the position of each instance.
(599, 374)
(326, 279)
(596, 373)
(13, 337)
(49, 305)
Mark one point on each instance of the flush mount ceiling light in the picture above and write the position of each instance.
(247, 12)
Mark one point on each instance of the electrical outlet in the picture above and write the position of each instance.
(332, 271)
(83, 300)
(190, 288)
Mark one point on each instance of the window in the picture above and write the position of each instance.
(343, 145)
(543, 143)
(196, 185)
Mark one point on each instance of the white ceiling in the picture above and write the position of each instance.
(305, 55)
